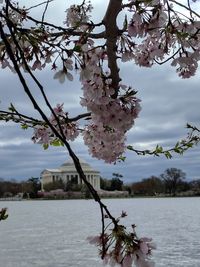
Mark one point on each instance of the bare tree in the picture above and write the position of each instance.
(172, 178)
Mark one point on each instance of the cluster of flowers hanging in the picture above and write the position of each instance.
(166, 34)
(111, 116)
(123, 247)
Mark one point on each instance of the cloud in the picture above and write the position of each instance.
(167, 101)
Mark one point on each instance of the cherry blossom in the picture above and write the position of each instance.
(123, 248)
(77, 15)
(45, 136)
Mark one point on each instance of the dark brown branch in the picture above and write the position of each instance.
(168, 59)
(45, 10)
(40, 4)
(81, 116)
(19, 118)
(112, 32)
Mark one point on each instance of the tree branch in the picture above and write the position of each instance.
(67, 31)
(19, 118)
(187, 8)
(111, 35)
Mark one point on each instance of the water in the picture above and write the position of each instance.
(53, 233)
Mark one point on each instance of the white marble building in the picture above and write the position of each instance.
(67, 171)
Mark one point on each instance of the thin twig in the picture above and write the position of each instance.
(43, 3)
(45, 10)
(20, 116)
(187, 8)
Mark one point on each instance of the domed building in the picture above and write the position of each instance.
(67, 171)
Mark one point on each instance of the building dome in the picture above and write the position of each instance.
(69, 166)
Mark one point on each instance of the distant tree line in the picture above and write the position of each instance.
(112, 184)
(171, 183)
(29, 188)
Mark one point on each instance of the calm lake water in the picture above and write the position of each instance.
(53, 233)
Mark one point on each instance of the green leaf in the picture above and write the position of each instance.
(177, 150)
(56, 142)
(24, 126)
(177, 145)
(130, 147)
(45, 146)
(77, 48)
(159, 149)
(190, 145)
(122, 158)
(12, 108)
(5, 217)
(168, 155)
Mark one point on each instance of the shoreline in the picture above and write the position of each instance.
(119, 197)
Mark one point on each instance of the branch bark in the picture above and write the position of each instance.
(111, 35)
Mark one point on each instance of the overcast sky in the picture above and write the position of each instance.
(168, 103)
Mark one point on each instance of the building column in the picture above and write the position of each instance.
(98, 183)
(42, 185)
(79, 181)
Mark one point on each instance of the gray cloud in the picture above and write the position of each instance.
(168, 103)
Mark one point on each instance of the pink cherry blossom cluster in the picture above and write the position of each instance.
(44, 134)
(137, 256)
(16, 17)
(165, 33)
(77, 15)
(188, 64)
(117, 246)
(111, 117)
(104, 143)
